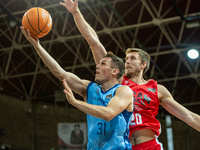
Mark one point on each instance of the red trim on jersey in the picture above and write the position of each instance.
(149, 145)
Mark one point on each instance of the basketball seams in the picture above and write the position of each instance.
(31, 25)
(46, 22)
(38, 14)
(41, 30)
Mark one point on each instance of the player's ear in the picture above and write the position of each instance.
(144, 64)
(115, 71)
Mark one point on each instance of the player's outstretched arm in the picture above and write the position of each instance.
(177, 109)
(75, 83)
(121, 101)
(86, 30)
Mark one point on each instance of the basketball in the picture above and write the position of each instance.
(38, 21)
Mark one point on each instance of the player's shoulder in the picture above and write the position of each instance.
(162, 91)
(161, 87)
(125, 93)
(125, 89)
(86, 82)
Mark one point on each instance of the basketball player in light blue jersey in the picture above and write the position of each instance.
(109, 105)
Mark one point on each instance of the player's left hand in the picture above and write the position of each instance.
(68, 92)
(26, 32)
(71, 6)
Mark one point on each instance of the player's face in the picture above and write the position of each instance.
(103, 70)
(133, 64)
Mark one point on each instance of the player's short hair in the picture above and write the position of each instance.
(144, 56)
(116, 63)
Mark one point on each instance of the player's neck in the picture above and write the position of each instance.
(107, 85)
(138, 79)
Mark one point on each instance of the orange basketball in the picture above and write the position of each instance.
(38, 21)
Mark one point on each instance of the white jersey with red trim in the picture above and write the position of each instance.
(146, 105)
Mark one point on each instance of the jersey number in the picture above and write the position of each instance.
(102, 128)
(136, 119)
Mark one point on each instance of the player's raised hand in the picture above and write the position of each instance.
(71, 6)
(28, 36)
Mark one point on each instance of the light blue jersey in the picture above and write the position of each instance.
(106, 135)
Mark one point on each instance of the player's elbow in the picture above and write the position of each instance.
(108, 116)
(58, 74)
(95, 44)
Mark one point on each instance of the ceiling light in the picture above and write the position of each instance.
(193, 54)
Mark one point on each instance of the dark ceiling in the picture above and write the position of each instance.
(158, 26)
